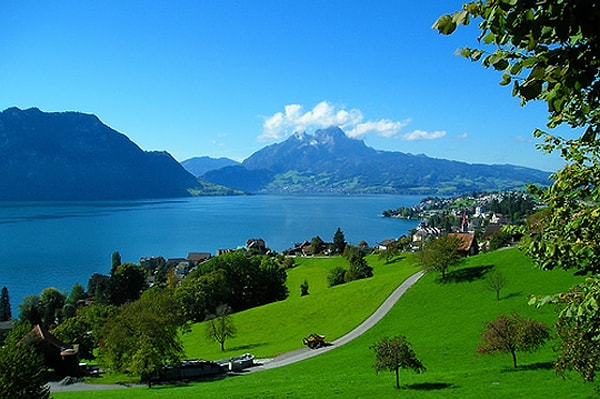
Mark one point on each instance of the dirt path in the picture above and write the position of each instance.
(289, 357)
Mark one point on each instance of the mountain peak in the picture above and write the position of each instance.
(74, 156)
(302, 151)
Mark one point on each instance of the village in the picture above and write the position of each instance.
(477, 218)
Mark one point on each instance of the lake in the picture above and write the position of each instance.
(60, 244)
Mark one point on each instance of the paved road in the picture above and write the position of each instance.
(289, 357)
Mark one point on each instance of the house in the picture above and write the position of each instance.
(491, 229)
(299, 249)
(152, 262)
(425, 232)
(468, 243)
(58, 356)
(257, 245)
(195, 258)
(386, 244)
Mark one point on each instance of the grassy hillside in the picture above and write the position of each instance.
(279, 327)
(442, 321)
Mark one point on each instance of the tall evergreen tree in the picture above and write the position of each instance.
(339, 242)
(5, 312)
(115, 262)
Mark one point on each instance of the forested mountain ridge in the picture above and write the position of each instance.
(329, 161)
(60, 156)
(200, 165)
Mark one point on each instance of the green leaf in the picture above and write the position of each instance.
(531, 90)
(501, 65)
(489, 38)
(445, 25)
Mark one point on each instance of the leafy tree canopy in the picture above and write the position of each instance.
(393, 354)
(152, 322)
(509, 334)
(548, 50)
(22, 369)
(441, 254)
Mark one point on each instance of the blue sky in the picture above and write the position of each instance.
(226, 78)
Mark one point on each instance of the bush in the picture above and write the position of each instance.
(336, 276)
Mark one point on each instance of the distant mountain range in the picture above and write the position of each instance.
(330, 162)
(74, 156)
(200, 165)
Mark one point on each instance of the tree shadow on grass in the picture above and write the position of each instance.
(246, 347)
(395, 259)
(527, 367)
(431, 386)
(467, 274)
(512, 295)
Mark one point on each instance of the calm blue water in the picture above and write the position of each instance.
(59, 244)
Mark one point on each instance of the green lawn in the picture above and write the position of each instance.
(442, 321)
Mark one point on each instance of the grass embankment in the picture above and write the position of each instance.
(442, 321)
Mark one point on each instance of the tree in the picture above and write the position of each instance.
(304, 288)
(5, 312)
(200, 295)
(317, 245)
(99, 288)
(51, 305)
(336, 276)
(389, 252)
(550, 51)
(500, 239)
(22, 369)
(144, 335)
(248, 281)
(577, 328)
(30, 310)
(509, 334)
(495, 281)
(220, 326)
(394, 354)
(85, 328)
(359, 269)
(441, 254)
(72, 302)
(339, 242)
(127, 283)
(115, 262)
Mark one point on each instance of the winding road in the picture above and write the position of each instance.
(289, 357)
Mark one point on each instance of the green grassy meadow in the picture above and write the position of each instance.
(443, 321)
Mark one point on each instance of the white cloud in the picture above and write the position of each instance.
(383, 128)
(325, 114)
(423, 135)
(462, 136)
